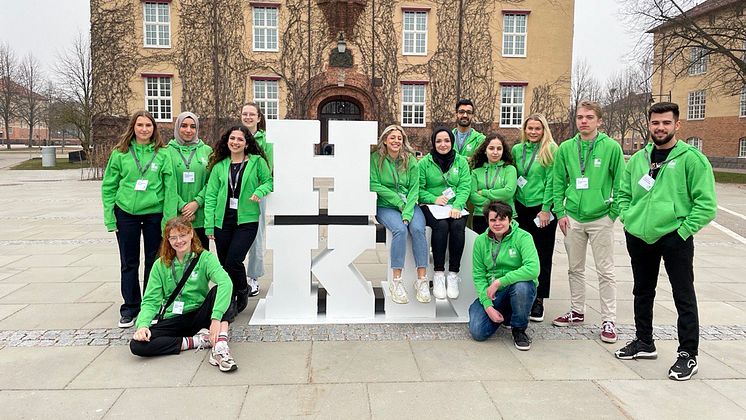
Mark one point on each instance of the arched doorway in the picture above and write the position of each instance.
(339, 108)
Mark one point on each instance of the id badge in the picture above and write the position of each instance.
(448, 193)
(188, 177)
(521, 181)
(233, 203)
(178, 308)
(646, 182)
(141, 185)
(581, 183)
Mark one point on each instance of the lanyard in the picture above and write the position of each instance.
(654, 166)
(491, 185)
(395, 175)
(139, 165)
(234, 183)
(495, 252)
(187, 261)
(587, 156)
(531, 162)
(446, 177)
(186, 161)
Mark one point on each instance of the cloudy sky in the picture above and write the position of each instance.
(46, 27)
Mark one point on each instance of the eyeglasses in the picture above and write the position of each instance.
(177, 237)
(464, 112)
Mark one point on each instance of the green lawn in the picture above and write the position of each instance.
(62, 163)
(730, 177)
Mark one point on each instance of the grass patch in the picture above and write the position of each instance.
(730, 177)
(35, 164)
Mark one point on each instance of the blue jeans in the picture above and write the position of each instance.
(513, 302)
(255, 268)
(391, 219)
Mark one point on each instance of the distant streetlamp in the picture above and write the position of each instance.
(341, 44)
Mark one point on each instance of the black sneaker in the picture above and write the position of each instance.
(537, 311)
(242, 300)
(684, 368)
(637, 349)
(126, 321)
(521, 340)
(253, 286)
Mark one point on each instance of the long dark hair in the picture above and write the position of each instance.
(479, 158)
(221, 147)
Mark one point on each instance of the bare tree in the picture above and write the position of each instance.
(583, 87)
(30, 101)
(75, 74)
(8, 74)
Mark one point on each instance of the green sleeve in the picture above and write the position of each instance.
(426, 197)
(377, 187)
(463, 189)
(559, 184)
(701, 185)
(109, 187)
(624, 196)
(477, 199)
(153, 296)
(216, 274)
(546, 202)
(529, 269)
(481, 282)
(265, 178)
(170, 194)
(211, 199)
(617, 169)
(505, 192)
(414, 189)
(200, 197)
(269, 151)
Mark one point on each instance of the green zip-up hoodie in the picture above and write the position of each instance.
(517, 261)
(121, 176)
(261, 137)
(383, 183)
(470, 144)
(432, 183)
(604, 172)
(162, 283)
(682, 198)
(503, 189)
(256, 179)
(538, 190)
(191, 191)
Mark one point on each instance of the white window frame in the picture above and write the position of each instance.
(161, 99)
(514, 109)
(267, 96)
(742, 147)
(412, 109)
(510, 37)
(416, 34)
(696, 105)
(157, 24)
(697, 61)
(742, 103)
(268, 31)
(696, 142)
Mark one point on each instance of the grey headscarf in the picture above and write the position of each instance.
(180, 119)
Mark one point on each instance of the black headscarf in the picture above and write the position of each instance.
(443, 161)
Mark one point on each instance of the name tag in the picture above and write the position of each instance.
(188, 177)
(597, 162)
(521, 182)
(141, 185)
(581, 183)
(646, 182)
(178, 308)
(233, 203)
(448, 193)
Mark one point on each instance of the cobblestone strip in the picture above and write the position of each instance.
(351, 332)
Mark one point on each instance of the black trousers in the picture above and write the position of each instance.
(129, 229)
(166, 335)
(678, 258)
(202, 238)
(447, 234)
(232, 243)
(479, 224)
(544, 241)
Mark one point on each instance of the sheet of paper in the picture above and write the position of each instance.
(443, 212)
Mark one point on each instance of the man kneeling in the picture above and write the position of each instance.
(506, 267)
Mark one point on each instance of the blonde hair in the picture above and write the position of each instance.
(592, 106)
(405, 153)
(123, 144)
(547, 145)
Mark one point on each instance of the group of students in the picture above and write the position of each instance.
(190, 193)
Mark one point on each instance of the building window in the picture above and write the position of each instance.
(698, 61)
(696, 142)
(158, 97)
(514, 34)
(696, 105)
(742, 102)
(157, 25)
(266, 94)
(511, 106)
(413, 105)
(415, 33)
(265, 28)
(742, 147)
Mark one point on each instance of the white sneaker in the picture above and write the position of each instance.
(398, 292)
(253, 286)
(220, 356)
(439, 285)
(423, 290)
(202, 339)
(452, 282)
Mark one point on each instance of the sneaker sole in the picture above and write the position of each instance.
(523, 348)
(566, 324)
(609, 340)
(423, 300)
(453, 297)
(638, 355)
(126, 325)
(536, 318)
(254, 293)
(222, 369)
(675, 377)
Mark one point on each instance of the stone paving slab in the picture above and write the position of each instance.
(58, 404)
(43, 368)
(431, 400)
(220, 402)
(350, 361)
(317, 401)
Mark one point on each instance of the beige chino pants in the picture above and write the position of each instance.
(600, 233)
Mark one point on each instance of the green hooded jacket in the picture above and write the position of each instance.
(538, 189)
(470, 144)
(396, 187)
(517, 261)
(501, 178)
(256, 179)
(261, 137)
(604, 172)
(682, 198)
(433, 181)
(121, 176)
(191, 191)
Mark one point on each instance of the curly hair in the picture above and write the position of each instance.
(221, 150)
(479, 158)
